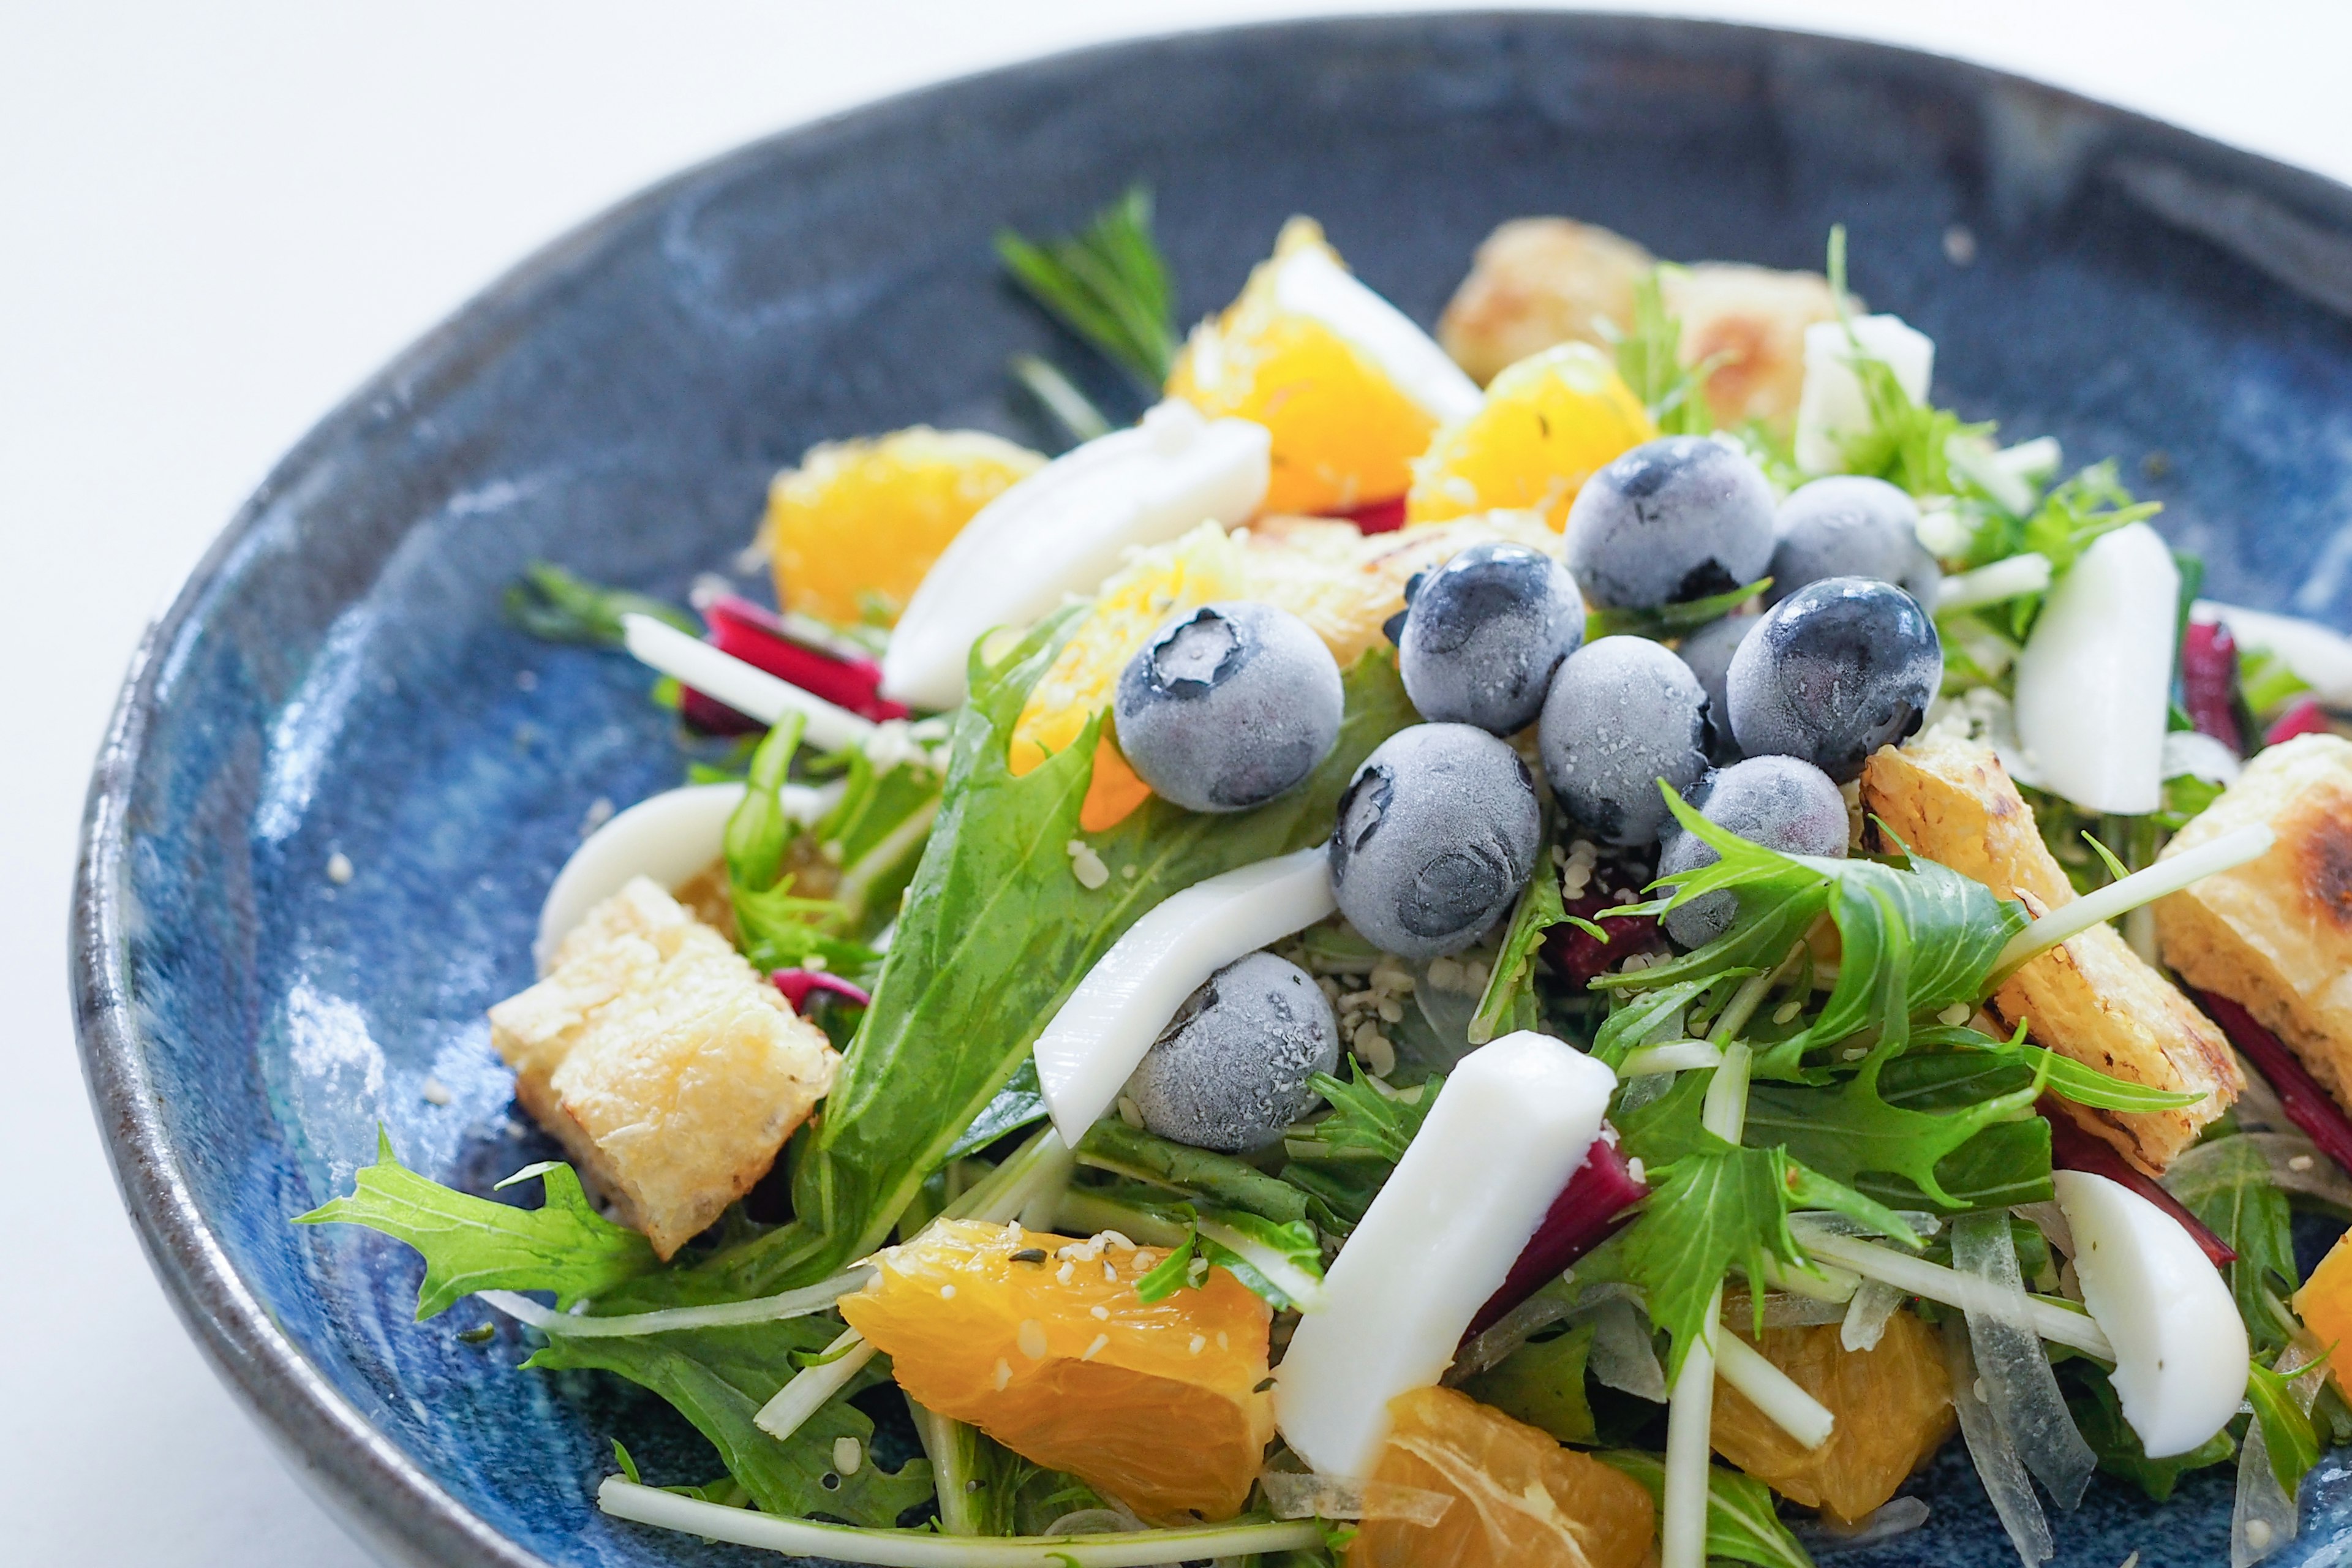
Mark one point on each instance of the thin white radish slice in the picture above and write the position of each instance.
(2320, 656)
(1100, 1036)
(1517, 1119)
(2014, 1369)
(742, 685)
(1309, 283)
(670, 838)
(1066, 528)
(2094, 680)
(1833, 409)
(2180, 1347)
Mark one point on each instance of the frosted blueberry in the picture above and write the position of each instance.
(1228, 706)
(1237, 1064)
(1849, 526)
(1482, 633)
(1778, 801)
(1709, 652)
(1437, 833)
(1832, 672)
(1671, 519)
(1622, 714)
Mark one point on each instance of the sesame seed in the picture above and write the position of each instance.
(1786, 1010)
(1086, 865)
(1030, 1254)
(947, 1292)
(1130, 1112)
(848, 1455)
(1110, 1271)
(1223, 1342)
(1200, 1343)
(1101, 1314)
(1854, 1053)
(1955, 1014)
(1063, 1273)
(2299, 1162)
(1096, 1348)
(1003, 1374)
(339, 868)
(1634, 1168)
(1031, 1339)
(436, 1092)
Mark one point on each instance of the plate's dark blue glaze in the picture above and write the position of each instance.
(337, 678)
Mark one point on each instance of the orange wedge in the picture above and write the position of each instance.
(1549, 423)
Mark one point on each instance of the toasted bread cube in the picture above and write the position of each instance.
(665, 1064)
(2093, 998)
(2274, 935)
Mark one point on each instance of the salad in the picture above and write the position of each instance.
(1572, 942)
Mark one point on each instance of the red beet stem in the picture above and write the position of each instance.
(1578, 955)
(1588, 1210)
(2072, 1148)
(2306, 718)
(2306, 1104)
(759, 637)
(1379, 517)
(2208, 682)
(798, 984)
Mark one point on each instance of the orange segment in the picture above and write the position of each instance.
(2325, 1305)
(1061, 1361)
(1893, 1404)
(1548, 423)
(1520, 1501)
(853, 528)
(1343, 432)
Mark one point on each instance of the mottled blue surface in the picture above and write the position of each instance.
(338, 679)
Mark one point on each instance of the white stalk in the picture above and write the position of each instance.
(2005, 579)
(766, 1309)
(1675, 1056)
(1773, 1392)
(624, 1498)
(811, 1387)
(1690, 1410)
(2165, 877)
(744, 687)
(1918, 1277)
(2096, 675)
(1304, 1289)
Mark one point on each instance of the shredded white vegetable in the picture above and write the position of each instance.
(1675, 1056)
(2263, 1518)
(2128, 893)
(1293, 1495)
(624, 1499)
(1867, 1315)
(2019, 1386)
(811, 1387)
(1896, 1516)
(1623, 1356)
(742, 685)
(765, 1309)
(1998, 1466)
(1772, 1390)
(2296, 1165)
(2005, 579)
(1918, 1277)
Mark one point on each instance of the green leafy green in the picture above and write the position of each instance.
(1851, 1129)
(2229, 1190)
(2266, 681)
(874, 834)
(1670, 620)
(994, 935)
(1072, 409)
(1635, 1016)
(2289, 1437)
(472, 1244)
(719, 1378)
(1108, 284)
(1018, 1104)
(1741, 1525)
(1293, 1243)
(554, 605)
(1112, 1145)
(1649, 360)
(1542, 1384)
(1509, 1000)
(1907, 442)
(2099, 1417)
(1367, 1122)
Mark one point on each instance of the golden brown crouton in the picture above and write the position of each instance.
(1538, 281)
(663, 1063)
(2093, 999)
(2274, 935)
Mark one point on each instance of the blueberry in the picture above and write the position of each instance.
(1234, 1067)
(1848, 526)
(1437, 833)
(1671, 519)
(1709, 652)
(1835, 671)
(1229, 705)
(1482, 633)
(1622, 714)
(1778, 802)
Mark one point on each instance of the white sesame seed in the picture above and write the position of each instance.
(1086, 865)
(1634, 1168)
(436, 1092)
(2299, 1162)
(599, 812)
(1063, 1273)
(1223, 1343)
(1854, 1053)
(1200, 1343)
(1110, 1271)
(947, 1292)
(339, 868)
(1130, 1112)
(1096, 1348)
(1101, 1314)
(1031, 1339)
(848, 1455)
(1955, 1014)
(1003, 1374)
(1786, 1010)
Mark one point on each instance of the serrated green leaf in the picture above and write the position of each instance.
(2289, 1437)
(1741, 1525)
(2231, 1192)
(1508, 1002)
(1670, 620)
(472, 1244)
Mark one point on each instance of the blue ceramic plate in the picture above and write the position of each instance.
(337, 679)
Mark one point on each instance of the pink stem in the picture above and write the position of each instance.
(2306, 1104)
(1587, 1212)
(759, 636)
(2306, 718)
(2208, 682)
(2072, 1148)
(798, 984)
(1378, 517)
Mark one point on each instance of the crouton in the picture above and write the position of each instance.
(668, 1069)
(2274, 935)
(1538, 281)
(2093, 999)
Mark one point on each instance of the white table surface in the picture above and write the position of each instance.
(215, 220)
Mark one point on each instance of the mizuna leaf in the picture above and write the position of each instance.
(1741, 1526)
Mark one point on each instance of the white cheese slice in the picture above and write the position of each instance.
(2094, 680)
(1064, 529)
(1514, 1122)
(1094, 1043)
(1832, 409)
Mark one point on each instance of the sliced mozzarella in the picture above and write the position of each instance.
(2094, 680)
(2320, 656)
(1309, 283)
(1516, 1119)
(2180, 1346)
(1094, 1043)
(1066, 528)
(1832, 409)
(670, 838)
